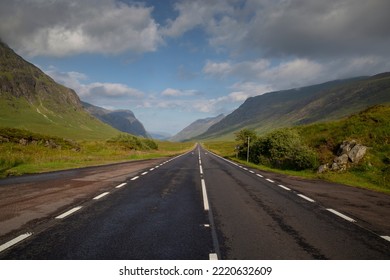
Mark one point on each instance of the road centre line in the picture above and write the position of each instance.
(67, 213)
(305, 197)
(201, 169)
(251, 171)
(341, 215)
(259, 175)
(121, 185)
(151, 169)
(213, 257)
(144, 173)
(205, 198)
(101, 195)
(15, 241)
(269, 180)
(134, 178)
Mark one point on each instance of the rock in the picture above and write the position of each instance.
(23, 142)
(357, 153)
(323, 168)
(346, 147)
(3, 139)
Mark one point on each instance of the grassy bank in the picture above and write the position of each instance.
(370, 128)
(39, 153)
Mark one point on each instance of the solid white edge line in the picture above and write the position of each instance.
(101, 195)
(15, 241)
(67, 213)
(341, 215)
(306, 198)
(204, 193)
(121, 185)
(386, 237)
(269, 180)
(283, 187)
(134, 178)
(213, 257)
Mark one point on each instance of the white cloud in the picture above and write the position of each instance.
(62, 27)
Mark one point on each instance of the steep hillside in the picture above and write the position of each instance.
(196, 128)
(29, 99)
(123, 120)
(328, 101)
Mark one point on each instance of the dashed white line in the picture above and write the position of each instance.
(269, 180)
(205, 199)
(341, 215)
(101, 195)
(67, 213)
(201, 169)
(121, 185)
(144, 173)
(251, 171)
(306, 198)
(213, 257)
(151, 169)
(134, 178)
(386, 237)
(283, 187)
(261, 176)
(15, 240)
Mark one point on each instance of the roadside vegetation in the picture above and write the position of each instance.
(24, 152)
(300, 150)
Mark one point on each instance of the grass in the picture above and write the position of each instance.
(370, 128)
(35, 157)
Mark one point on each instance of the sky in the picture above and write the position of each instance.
(175, 61)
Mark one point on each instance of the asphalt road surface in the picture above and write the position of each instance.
(197, 206)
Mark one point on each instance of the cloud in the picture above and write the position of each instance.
(61, 28)
(170, 92)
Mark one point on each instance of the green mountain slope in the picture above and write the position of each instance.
(29, 99)
(328, 101)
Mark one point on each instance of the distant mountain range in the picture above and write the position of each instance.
(30, 99)
(123, 120)
(327, 101)
(196, 128)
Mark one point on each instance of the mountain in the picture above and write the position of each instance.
(159, 135)
(196, 128)
(123, 120)
(29, 99)
(322, 102)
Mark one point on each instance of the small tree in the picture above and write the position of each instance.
(242, 141)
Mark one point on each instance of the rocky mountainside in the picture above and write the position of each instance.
(123, 120)
(30, 99)
(327, 101)
(196, 128)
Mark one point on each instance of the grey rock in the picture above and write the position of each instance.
(323, 168)
(357, 153)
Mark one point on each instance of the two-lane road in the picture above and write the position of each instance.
(197, 206)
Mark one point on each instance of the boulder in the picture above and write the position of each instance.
(323, 168)
(346, 147)
(357, 153)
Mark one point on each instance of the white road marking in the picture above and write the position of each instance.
(386, 237)
(206, 225)
(269, 180)
(245, 168)
(201, 169)
(15, 241)
(156, 166)
(283, 187)
(213, 257)
(151, 169)
(67, 213)
(341, 215)
(204, 193)
(251, 171)
(144, 173)
(134, 178)
(121, 185)
(306, 198)
(101, 195)
(261, 176)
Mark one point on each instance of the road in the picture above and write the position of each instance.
(198, 206)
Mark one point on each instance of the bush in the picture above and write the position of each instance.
(284, 149)
(132, 142)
